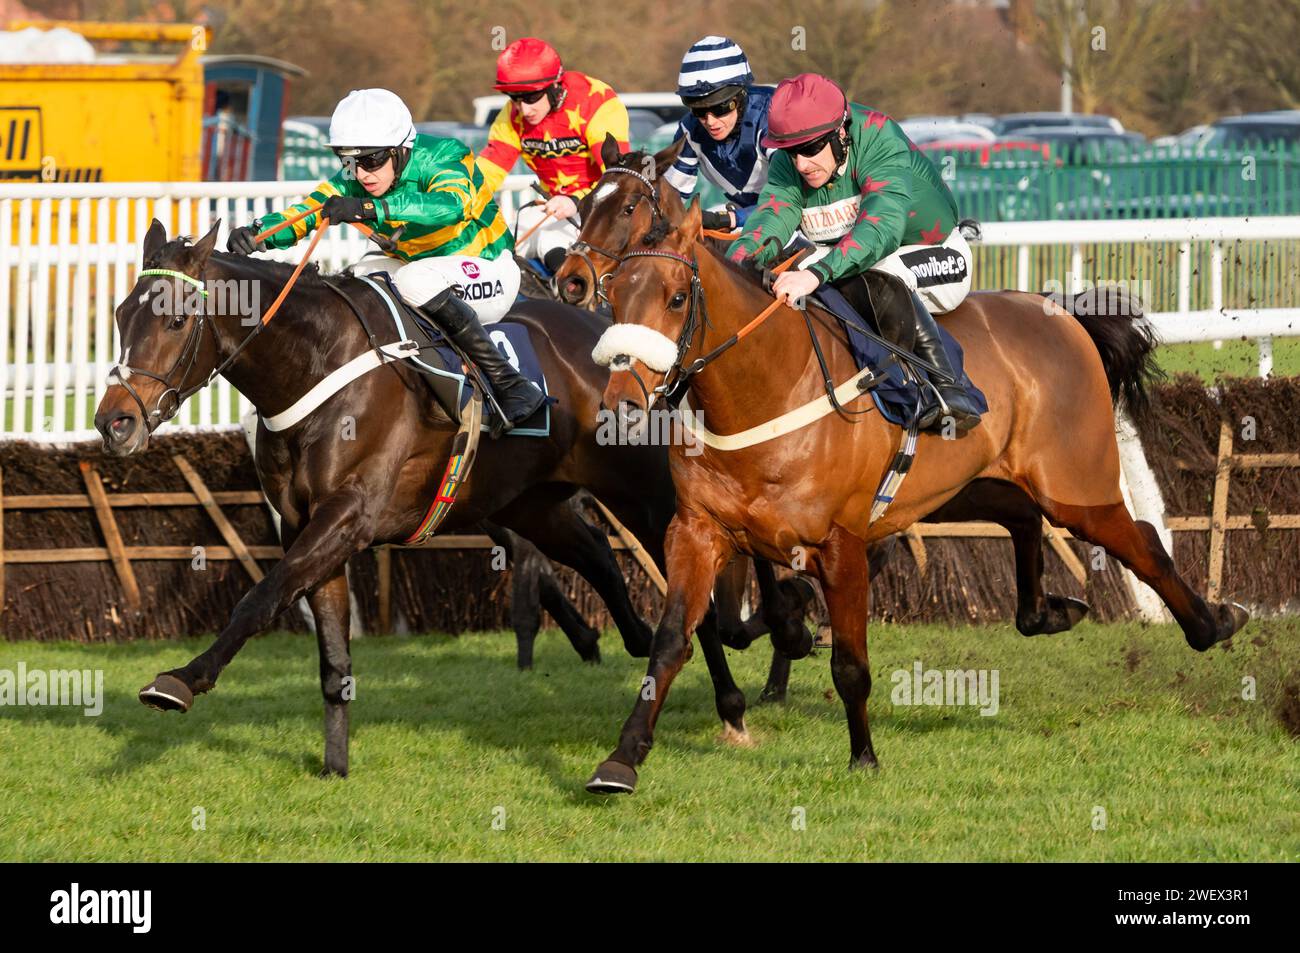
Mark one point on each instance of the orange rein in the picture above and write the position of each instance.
(320, 230)
(315, 239)
(771, 308)
(529, 234)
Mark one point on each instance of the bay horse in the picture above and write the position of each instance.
(618, 215)
(1050, 379)
(360, 470)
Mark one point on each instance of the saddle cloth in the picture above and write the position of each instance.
(441, 366)
(895, 396)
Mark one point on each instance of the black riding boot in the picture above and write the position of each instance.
(518, 397)
(929, 347)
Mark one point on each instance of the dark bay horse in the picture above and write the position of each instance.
(360, 470)
(1048, 438)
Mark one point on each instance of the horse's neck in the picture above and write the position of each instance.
(764, 374)
(288, 356)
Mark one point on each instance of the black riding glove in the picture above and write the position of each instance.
(346, 208)
(241, 241)
(720, 221)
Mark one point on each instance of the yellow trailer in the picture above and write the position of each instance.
(117, 119)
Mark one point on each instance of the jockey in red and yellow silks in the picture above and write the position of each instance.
(557, 121)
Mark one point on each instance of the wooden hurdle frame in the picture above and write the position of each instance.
(115, 551)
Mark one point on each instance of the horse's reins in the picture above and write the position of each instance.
(694, 314)
(189, 354)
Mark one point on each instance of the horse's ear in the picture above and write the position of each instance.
(609, 151)
(154, 239)
(201, 251)
(691, 224)
(667, 156)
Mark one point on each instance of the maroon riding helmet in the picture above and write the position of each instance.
(804, 108)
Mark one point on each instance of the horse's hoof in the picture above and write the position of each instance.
(613, 777)
(167, 693)
(771, 696)
(1062, 613)
(737, 737)
(867, 761)
(326, 773)
(797, 647)
(1229, 617)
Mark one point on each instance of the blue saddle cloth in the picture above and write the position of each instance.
(444, 365)
(514, 342)
(895, 396)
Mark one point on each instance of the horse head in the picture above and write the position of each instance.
(626, 201)
(165, 353)
(657, 301)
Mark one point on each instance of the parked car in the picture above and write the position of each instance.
(986, 154)
(993, 181)
(936, 128)
(1084, 145)
(1267, 128)
(1014, 122)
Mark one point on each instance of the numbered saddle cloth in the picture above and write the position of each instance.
(441, 366)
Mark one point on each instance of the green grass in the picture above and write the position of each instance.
(445, 732)
(1234, 359)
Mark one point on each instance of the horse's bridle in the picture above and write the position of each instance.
(581, 248)
(172, 393)
(697, 316)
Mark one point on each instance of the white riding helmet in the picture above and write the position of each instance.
(371, 118)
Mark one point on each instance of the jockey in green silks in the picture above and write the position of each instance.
(452, 257)
(851, 181)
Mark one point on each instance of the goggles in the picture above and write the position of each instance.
(811, 148)
(717, 109)
(367, 162)
(529, 97)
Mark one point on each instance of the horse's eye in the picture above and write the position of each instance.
(679, 299)
(177, 322)
(629, 209)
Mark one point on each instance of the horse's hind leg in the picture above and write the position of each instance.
(1137, 546)
(584, 639)
(330, 607)
(1037, 612)
(532, 589)
(557, 528)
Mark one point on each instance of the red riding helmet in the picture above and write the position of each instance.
(526, 65)
(804, 108)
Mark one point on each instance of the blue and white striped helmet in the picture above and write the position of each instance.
(711, 64)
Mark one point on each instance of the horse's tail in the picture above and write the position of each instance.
(1125, 340)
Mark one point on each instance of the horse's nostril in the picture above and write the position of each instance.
(122, 426)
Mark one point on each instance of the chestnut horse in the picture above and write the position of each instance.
(618, 215)
(359, 470)
(1048, 437)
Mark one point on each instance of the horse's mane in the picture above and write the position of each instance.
(174, 253)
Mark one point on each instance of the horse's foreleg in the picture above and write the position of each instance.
(340, 526)
(330, 607)
(1137, 546)
(843, 566)
(696, 552)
